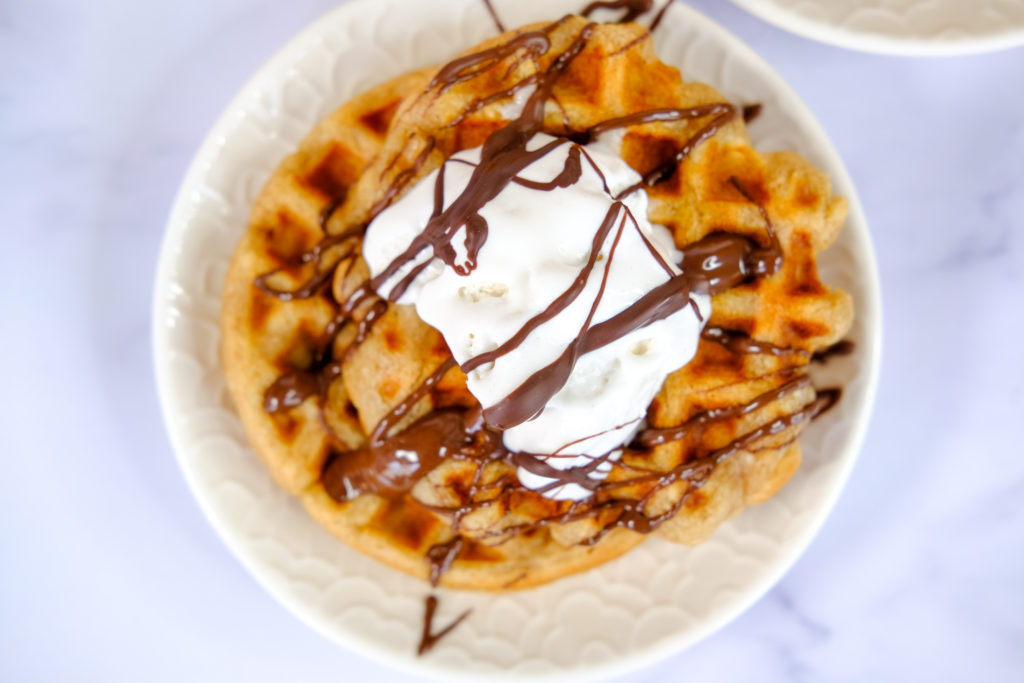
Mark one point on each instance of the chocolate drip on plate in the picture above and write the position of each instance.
(494, 16)
(829, 397)
(738, 342)
(659, 16)
(752, 111)
(839, 349)
(429, 639)
(655, 437)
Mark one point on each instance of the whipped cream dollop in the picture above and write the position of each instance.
(538, 242)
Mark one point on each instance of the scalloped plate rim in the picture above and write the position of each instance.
(177, 231)
(884, 44)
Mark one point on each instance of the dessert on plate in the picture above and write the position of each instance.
(500, 321)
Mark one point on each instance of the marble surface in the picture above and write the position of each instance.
(108, 570)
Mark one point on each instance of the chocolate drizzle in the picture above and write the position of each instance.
(737, 342)
(697, 472)
(441, 556)
(380, 434)
(494, 16)
(655, 116)
(291, 389)
(660, 15)
(631, 513)
(839, 349)
(397, 456)
(391, 464)
(655, 437)
(722, 260)
(631, 9)
(429, 639)
(532, 395)
(829, 397)
(752, 111)
(321, 274)
(535, 43)
(560, 303)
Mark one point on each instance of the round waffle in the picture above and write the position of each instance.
(303, 238)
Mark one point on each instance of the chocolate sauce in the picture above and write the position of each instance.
(321, 276)
(479, 103)
(393, 466)
(378, 309)
(575, 475)
(723, 113)
(651, 437)
(738, 342)
(630, 514)
(536, 43)
(654, 116)
(560, 303)
(840, 348)
(379, 435)
(441, 556)
(752, 111)
(290, 390)
(657, 304)
(660, 15)
(428, 640)
(530, 397)
(494, 16)
(830, 398)
(400, 182)
(503, 155)
(722, 260)
(631, 9)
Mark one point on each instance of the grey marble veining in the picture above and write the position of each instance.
(108, 570)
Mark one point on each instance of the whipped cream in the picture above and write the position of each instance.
(537, 243)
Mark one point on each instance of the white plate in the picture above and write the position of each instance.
(900, 27)
(657, 599)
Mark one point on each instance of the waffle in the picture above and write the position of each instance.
(468, 523)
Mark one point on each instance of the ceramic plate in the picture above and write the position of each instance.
(901, 27)
(653, 602)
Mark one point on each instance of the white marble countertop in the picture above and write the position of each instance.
(109, 572)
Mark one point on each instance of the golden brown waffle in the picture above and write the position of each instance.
(380, 143)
